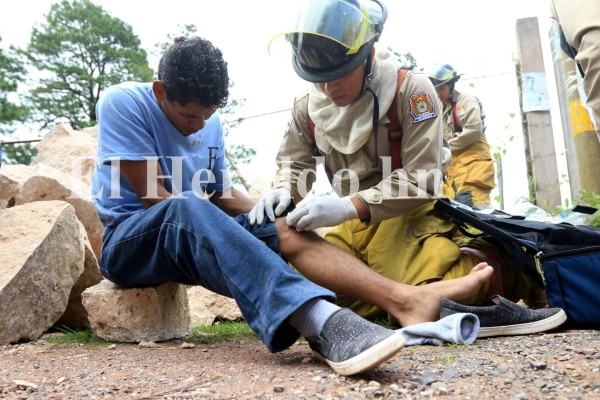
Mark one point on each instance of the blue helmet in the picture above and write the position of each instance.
(440, 74)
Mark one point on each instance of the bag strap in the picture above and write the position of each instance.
(455, 121)
(394, 127)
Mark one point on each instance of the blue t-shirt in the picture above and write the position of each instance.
(131, 126)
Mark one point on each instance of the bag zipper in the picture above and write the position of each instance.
(540, 257)
(538, 265)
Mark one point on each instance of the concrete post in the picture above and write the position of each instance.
(536, 115)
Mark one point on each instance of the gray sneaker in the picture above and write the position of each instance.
(351, 344)
(501, 317)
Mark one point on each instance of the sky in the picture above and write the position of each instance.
(478, 38)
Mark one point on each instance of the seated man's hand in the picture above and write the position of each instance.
(317, 212)
(278, 198)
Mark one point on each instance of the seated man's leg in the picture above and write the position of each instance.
(337, 269)
(193, 242)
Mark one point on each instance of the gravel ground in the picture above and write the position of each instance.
(561, 365)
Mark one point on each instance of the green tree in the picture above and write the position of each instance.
(404, 59)
(18, 153)
(236, 153)
(11, 74)
(79, 51)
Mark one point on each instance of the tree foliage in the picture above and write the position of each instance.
(79, 51)
(11, 73)
(18, 153)
(404, 59)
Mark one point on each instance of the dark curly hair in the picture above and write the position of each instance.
(192, 69)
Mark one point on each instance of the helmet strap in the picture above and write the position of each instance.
(375, 161)
(368, 72)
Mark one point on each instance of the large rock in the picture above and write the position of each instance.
(70, 151)
(12, 178)
(138, 314)
(48, 183)
(207, 306)
(75, 315)
(41, 258)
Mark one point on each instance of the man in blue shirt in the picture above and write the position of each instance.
(162, 190)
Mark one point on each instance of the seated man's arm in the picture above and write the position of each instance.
(232, 201)
(149, 192)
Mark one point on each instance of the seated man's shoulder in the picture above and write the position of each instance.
(128, 89)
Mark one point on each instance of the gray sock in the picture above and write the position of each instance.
(460, 328)
(310, 317)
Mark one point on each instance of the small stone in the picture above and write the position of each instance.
(60, 380)
(25, 385)
(278, 389)
(538, 365)
(186, 345)
(539, 383)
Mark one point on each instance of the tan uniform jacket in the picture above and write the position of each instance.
(385, 196)
(472, 119)
(580, 22)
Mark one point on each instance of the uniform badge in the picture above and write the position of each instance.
(421, 107)
(461, 110)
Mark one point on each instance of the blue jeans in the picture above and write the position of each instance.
(191, 241)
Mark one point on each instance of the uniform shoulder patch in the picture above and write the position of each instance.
(421, 107)
(461, 110)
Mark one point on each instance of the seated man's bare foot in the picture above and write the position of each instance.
(423, 303)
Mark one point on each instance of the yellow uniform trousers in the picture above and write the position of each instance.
(472, 172)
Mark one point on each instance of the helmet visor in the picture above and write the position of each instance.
(346, 22)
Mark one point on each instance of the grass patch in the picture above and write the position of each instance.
(70, 336)
(456, 345)
(447, 359)
(221, 331)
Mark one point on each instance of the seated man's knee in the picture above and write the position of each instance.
(292, 242)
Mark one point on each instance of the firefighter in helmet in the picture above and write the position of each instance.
(471, 173)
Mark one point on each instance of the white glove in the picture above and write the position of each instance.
(280, 197)
(314, 213)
